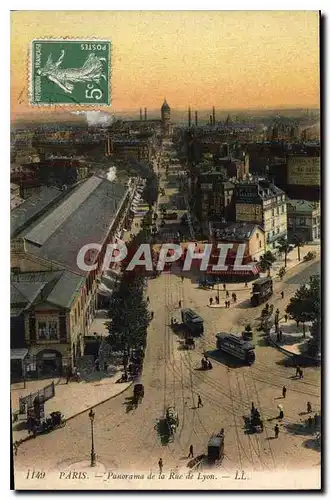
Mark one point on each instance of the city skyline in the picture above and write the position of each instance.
(280, 51)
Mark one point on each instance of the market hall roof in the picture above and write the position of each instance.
(32, 208)
(82, 217)
(56, 287)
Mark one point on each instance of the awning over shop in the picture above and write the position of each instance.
(18, 353)
(235, 272)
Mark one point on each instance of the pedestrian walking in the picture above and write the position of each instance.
(235, 298)
(224, 286)
(285, 318)
(179, 304)
(309, 408)
(301, 373)
(229, 304)
(210, 301)
(280, 335)
(69, 373)
(199, 401)
(297, 371)
(284, 391)
(160, 465)
(282, 294)
(276, 429)
(281, 411)
(227, 294)
(316, 420)
(246, 284)
(190, 455)
(216, 298)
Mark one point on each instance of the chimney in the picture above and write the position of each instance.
(189, 117)
(214, 120)
(141, 114)
(196, 118)
(211, 119)
(145, 114)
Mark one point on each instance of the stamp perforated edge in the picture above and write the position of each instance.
(67, 104)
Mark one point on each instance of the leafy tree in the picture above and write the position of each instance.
(283, 247)
(266, 262)
(314, 345)
(282, 272)
(305, 305)
(298, 243)
(128, 313)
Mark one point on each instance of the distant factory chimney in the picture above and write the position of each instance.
(145, 114)
(141, 114)
(196, 118)
(214, 120)
(189, 117)
(211, 119)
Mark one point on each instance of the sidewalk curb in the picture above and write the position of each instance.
(27, 438)
(292, 355)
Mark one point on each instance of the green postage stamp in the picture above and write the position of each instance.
(70, 72)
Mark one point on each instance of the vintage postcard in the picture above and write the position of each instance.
(165, 250)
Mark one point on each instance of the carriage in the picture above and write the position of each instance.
(172, 420)
(255, 422)
(41, 426)
(215, 451)
(138, 394)
(189, 343)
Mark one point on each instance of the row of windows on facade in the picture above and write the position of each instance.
(303, 221)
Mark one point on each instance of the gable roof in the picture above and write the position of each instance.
(57, 287)
(82, 217)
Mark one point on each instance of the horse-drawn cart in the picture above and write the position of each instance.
(172, 420)
(138, 394)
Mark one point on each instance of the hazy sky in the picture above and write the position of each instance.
(227, 59)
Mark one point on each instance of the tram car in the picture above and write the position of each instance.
(236, 346)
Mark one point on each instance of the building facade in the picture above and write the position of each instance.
(303, 220)
(46, 237)
(262, 203)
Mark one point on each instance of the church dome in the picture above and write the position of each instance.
(165, 106)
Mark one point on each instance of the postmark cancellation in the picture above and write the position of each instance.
(70, 72)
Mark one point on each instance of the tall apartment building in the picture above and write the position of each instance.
(263, 203)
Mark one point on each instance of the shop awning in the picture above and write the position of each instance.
(18, 353)
(235, 272)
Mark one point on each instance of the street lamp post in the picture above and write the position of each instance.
(91, 415)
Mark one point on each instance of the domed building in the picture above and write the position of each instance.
(165, 118)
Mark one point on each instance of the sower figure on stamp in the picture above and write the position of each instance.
(160, 465)
(190, 455)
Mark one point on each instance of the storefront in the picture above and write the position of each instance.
(49, 362)
(232, 275)
(17, 364)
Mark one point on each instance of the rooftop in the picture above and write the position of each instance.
(302, 206)
(240, 231)
(83, 216)
(55, 287)
(32, 207)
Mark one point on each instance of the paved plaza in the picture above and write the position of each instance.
(126, 436)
